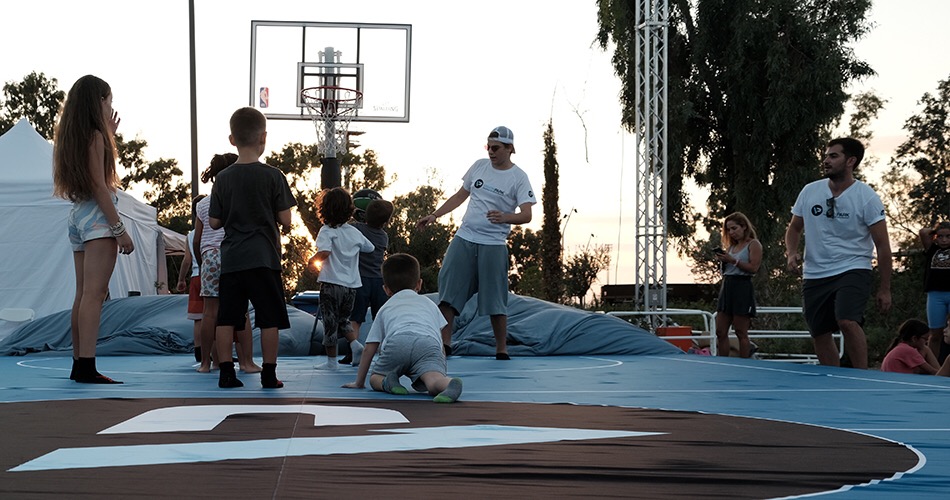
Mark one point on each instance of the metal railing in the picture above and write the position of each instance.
(787, 334)
(708, 331)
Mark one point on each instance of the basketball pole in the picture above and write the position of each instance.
(330, 176)
(194, 99)
(330, 168)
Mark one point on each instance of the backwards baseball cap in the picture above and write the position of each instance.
(503, 135)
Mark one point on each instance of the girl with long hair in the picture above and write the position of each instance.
(84, 172)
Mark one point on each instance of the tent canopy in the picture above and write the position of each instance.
(37, 270)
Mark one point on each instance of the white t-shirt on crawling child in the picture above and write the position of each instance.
(406, 312)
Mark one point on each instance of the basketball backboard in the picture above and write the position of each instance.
(288, 56)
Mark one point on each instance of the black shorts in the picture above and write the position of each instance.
(369, 296)
(264, 289)
(825, 301)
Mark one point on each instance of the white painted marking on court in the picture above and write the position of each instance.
(291, 367)
(710, 392)
(207, 417)
(394, 440)
(35, 364)
(691, 359)
(895, 382)
(893, 429)
(833, 375)
(604, 363)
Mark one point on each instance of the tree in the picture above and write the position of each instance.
(428, 244)
(582, 268)
(365, 172)
(867, 105)
(915, 189)
(752, 85)
(295, 270)
(552, 271)
(164, 187)
(298, 163)
(921, 163)
(525, 262)
(36, 98)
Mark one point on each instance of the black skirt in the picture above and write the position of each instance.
(737, 297)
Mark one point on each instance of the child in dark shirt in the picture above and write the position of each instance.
(371, 294)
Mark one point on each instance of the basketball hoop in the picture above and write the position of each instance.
(331, 109)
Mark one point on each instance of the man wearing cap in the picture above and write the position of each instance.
(477, 258)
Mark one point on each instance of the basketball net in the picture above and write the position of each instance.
(331, 109)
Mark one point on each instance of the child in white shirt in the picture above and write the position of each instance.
(338, 248)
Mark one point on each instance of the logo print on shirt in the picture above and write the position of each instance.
(480, 184)
(817, 210)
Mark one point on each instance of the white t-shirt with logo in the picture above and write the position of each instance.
(492, 189)
(837, 244)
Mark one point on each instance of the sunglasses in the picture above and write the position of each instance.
(830, 204)
(493, 147)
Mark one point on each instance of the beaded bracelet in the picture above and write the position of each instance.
(118, 229)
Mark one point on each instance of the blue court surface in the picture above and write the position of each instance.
(632, 426)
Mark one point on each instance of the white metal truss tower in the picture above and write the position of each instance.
(652, 22)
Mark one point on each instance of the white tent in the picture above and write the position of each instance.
(36, 259)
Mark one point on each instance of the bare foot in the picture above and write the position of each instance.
(204, 368)
(250, 368)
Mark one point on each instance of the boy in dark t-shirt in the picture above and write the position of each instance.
(249, 199)
(371, 294)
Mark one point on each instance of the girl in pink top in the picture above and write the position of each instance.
(909, 352)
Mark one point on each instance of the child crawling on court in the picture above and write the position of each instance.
(407, 334)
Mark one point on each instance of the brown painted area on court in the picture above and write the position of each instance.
(699, 455)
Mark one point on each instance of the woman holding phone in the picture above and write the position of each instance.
(740, 260)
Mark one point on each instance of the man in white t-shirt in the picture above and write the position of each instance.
(843, 221)
(499, 195)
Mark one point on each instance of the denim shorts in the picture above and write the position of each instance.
(87, 222)
(938, 309)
